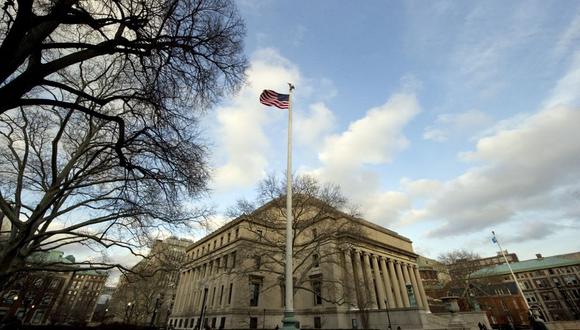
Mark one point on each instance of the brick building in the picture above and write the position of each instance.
(550, 284)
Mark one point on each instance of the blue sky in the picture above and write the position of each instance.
(441, 120)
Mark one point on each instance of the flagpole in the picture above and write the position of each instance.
(511, 271)
(288, 321)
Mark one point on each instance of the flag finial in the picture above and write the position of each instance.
(291, 86)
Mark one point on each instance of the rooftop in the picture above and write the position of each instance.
(530, 265)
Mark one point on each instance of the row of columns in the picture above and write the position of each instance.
(378, 282)
(193, 283)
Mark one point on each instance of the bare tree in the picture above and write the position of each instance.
(322, 231)
(149, 287)
(98, 138)
(461, 264)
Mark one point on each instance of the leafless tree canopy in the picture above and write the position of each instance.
(98, 139)
(321, 232)
(461, 264)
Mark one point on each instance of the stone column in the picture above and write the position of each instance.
(186, 290)
(395, 282)
(415, 287)
(349, 280)
(404, 268)
(178, 297)
(359, 280)
(195, 287)
(402, 284)
(379, 282)
(421, 289)
(387, 281)
(372, 297)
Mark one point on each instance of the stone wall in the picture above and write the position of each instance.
(564, 325)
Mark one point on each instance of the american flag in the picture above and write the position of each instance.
(271, 98)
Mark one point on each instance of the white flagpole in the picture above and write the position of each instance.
(289, 321)
(511, 271)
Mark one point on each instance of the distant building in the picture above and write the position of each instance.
(42, 297)
(5, 227)
(103, 304)
(463, 267)
(80, 297)
(551, 284)
(145, 295)
(435, 277)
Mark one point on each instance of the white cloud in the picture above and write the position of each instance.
(385, 207)
(566, 90)
(522, 164)
(569, 38)
(421, 188)
(311, 127)
(241, 124)
(484, 46)
(456, 124)
(372, 140)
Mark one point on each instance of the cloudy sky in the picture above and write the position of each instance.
(441, 120)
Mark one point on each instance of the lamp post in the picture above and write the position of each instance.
(15, 302)
(129, 304)
(155, 310)
(388, 314)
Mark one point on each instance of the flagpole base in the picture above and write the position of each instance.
(289, 322)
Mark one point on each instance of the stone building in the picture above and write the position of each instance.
(52, 297)
(145, 296)
(34, 296)
(348, 273)
(435, 277)
(550, 284)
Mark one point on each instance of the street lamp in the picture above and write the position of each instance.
(155, 310)
(388, 314)
(129, 306)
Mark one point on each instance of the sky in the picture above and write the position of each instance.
(441, 120)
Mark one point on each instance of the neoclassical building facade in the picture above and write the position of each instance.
(348, 274)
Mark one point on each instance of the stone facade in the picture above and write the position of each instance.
(80, 297)
(232, 278)
(146, 295)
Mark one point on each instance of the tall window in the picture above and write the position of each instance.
(258, 261)
(317, 322)
(230, 293)
(253, 323)
(229, 237)
(233, 260)
(315, 260)
(255, 284)
(237, 232)
(221, 295)
(259, 232)
(317, 289)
